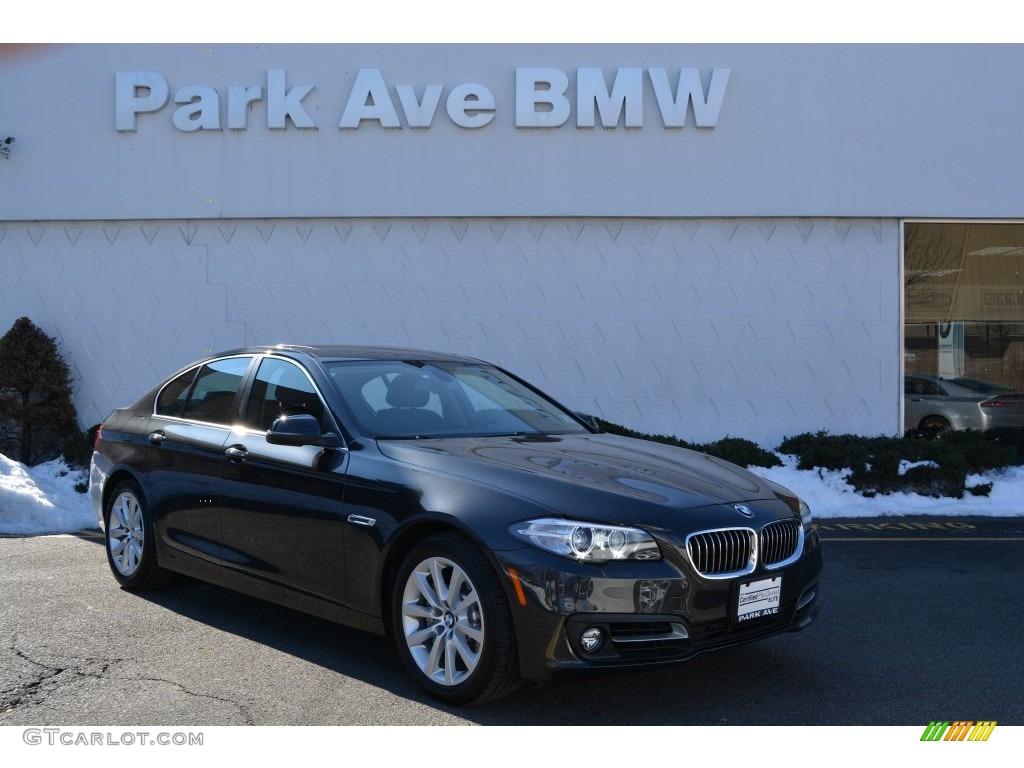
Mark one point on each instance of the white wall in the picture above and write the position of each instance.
(759, 328)
(805, 130)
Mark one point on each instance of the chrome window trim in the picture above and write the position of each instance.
(196, 422)
(236, 425)
(301, 368)
(195, 367)
(166, 384)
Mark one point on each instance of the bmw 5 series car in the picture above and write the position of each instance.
(491, 533)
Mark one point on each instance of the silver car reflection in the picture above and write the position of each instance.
(935, 403)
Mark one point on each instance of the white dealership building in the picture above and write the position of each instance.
(703, 240)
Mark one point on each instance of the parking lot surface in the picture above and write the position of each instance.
(921, 620)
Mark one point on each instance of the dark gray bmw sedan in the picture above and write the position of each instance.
(490, 532)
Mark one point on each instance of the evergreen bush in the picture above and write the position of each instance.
(935, 465)
(37, 416)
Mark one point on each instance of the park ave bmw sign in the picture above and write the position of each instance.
(543, 99)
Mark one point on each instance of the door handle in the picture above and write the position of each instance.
(236, 453)
(157, 438)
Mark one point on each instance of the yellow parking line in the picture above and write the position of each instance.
(923, 538)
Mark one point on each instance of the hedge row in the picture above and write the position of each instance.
(930, 465)
(735, 449)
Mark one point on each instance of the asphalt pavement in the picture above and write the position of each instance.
(921, 620)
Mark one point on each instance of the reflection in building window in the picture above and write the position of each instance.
(964, 302)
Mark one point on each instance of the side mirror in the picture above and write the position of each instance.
(300, 429)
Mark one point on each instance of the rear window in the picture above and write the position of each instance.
(205, 393)
(172, 398)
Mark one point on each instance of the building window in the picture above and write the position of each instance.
(964, 303)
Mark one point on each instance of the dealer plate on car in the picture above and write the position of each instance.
(758, 599)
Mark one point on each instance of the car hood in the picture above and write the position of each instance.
(591, 473)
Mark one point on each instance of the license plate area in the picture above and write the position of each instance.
(758, 599)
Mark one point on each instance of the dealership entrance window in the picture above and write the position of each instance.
(964, 303)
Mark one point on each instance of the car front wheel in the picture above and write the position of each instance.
(130, 541)
(452, 623)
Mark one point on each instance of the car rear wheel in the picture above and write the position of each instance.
(452, 623)
(933, 424)
(131, 545)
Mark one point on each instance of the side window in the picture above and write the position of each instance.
(915, 386)
(280, 389)
(171, 401)
(214, 390)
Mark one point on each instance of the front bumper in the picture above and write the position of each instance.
(649, 614)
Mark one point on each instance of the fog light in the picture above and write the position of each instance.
(592, 639)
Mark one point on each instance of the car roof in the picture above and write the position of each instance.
(331, 352)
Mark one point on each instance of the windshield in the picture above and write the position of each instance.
(407, 399)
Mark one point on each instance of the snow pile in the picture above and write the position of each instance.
(42, 499)
(829, 495)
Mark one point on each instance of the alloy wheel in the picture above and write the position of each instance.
(442, 621)
(126, 534)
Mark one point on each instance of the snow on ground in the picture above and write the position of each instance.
(43, 499)
(829, 495)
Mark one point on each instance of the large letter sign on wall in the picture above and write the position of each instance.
(541, 101)
(202, 109)
(282, 103)
(369, 100)
(541, 85)
(419, 113)
(471, 105)
(129, 98)
(627, 93)
(540, 93)
(689, 91)
(239, 99)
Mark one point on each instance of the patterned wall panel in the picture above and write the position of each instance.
(701, 328)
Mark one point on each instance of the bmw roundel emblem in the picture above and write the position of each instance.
(745, 511)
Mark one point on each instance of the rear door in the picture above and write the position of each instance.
(186, 437)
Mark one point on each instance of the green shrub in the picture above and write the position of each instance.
(937, 465)
(981, 450)
(745, 453)
(37, 417)
(78, 447)
(940, 464)
(739, 451)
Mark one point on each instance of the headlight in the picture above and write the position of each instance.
(805, 516)
(588, 542)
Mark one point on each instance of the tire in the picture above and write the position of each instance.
(130, 541)
(935, 424)
(458, 646)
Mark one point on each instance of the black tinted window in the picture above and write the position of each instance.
(280, 389)
(914, 386)
(172, 398)
(214, 390)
